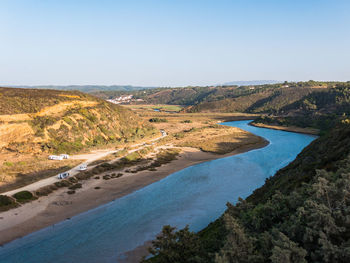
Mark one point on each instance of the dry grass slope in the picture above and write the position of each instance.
(35, 123)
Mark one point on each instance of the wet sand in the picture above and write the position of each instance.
(311, 131)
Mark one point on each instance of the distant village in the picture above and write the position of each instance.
(123, 99)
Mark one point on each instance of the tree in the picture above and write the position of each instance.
(285, 250)
(181, 246)
(238, 247)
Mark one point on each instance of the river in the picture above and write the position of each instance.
(196, 195)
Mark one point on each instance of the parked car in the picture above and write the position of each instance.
(63, 175)
(82, 167)
(65, 156)
(55, 157)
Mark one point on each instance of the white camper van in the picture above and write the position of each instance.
(82, 167)
(64, 156)
(55, 157)
(63, 175)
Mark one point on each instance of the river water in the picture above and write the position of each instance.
(195, 195)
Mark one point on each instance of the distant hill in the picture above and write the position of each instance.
(250, 82)
(87, 88)
(34, 120)
(258, 99)
(307, 104)
(225, 98)
(185, 95)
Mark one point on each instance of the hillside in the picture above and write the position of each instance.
(34, 120)
(319, 109)
(194, 96)
(182, 96)
(300, 215)
(265, 99)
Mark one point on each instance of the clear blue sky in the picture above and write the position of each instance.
(172, 42)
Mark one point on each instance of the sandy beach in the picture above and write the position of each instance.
(311, 131)
(60, 206)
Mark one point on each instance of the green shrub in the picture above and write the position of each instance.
(84, 175)
(24, 196)
(46, 190)
(179, 135)
(75, 186)
(70, 192)
(157, 120)
(6, 203)
(63, 183)
(72, 179)
(106, 177)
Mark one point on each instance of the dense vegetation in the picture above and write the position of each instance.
(320, 109)
(300, 215)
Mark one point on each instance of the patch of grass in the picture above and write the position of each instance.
(9, 164)
(132, 157)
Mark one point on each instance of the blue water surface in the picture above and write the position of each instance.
(195, 195)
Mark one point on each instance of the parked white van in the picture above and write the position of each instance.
(55, 157)
(65, 156)
(82, 167)
(63, 175)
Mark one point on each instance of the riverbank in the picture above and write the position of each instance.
(311, 131)
(60, 206)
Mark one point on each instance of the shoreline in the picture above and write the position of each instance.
(309, 131)
(59, 206)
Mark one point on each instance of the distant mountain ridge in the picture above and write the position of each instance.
(86, 88)
(251, 82)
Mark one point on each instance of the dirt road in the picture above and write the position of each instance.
(89, 158)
